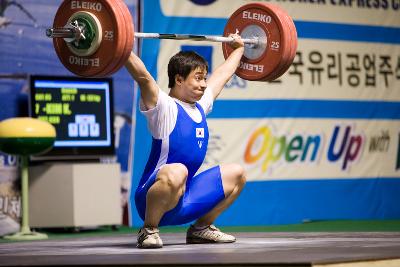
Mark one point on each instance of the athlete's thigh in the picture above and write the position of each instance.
(203, 192)
(176, 174)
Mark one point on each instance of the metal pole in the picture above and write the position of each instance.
(25, 196)
(67, 32)
(192, 37)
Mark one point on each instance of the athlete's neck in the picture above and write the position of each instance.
(173, 94)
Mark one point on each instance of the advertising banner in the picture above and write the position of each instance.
(320, 142)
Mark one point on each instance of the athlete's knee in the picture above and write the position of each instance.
(233, 175)
(174, 176)
(239, 174)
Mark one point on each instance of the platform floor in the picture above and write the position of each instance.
(257, 249)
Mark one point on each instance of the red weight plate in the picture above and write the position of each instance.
(286, 50)
(262, 16)
(293, 44)
(104, 57)
(129, 35)
(119, 51)
(291, 51)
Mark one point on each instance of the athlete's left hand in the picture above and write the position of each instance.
(237, 41)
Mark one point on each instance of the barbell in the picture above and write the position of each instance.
(95, 38)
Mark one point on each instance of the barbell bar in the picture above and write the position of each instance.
(73, 34)
(95, 42)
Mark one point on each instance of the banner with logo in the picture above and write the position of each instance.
(322, 141)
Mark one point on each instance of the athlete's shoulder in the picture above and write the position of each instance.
(207, 101)
(162, 118)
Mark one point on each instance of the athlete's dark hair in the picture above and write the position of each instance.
(183, 63)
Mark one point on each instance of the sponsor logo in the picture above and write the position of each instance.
(251, 67)
(92, 62)
(256, 16)
(264, 145)
(379, 143)
(86, 5)
(200, 143)
(344, 147)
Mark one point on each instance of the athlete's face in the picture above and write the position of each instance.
(194, 85)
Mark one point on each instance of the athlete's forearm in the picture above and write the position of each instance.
(225, 71)
(137, 69)
(232, 63)
(148, 86)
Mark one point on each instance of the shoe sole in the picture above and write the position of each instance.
(149, 247)
(205, 241)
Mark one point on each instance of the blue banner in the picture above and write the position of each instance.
(339, 99)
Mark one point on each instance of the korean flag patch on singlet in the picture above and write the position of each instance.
(200, 134)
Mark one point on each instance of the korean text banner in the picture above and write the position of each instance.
(322, 141)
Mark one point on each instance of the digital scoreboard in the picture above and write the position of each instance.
(79, 108)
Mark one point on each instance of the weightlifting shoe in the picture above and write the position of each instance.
(148, 237)
(207, 234)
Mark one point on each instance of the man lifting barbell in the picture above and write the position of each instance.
(169, 192)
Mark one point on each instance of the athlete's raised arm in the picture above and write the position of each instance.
(224, 72)
(148, 86)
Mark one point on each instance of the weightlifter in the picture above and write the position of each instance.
(169, 192)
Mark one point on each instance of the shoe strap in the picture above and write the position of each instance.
(209, 227)
(213, 227)
(150, 230)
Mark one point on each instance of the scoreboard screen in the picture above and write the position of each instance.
(80, 109)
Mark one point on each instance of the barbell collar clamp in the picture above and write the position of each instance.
(65, 32)
(68, 33)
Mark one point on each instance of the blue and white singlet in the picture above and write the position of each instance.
(187, 144)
